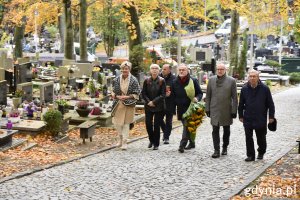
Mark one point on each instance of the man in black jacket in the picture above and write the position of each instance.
(153, 93)
(169, 111)
(182, 100)
(255, 103)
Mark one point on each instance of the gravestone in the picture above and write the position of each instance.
(5, 63)
(2, 74)
(3, 92)
(68, 62)
(47, 92)
(22, 73)
(27, 88)
(83, 69)
(63, 71)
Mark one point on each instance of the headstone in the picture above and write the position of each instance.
(3, 92)
(22, 73)
(27, 88)
(24, 60)
(201, 54)
(68, 62)
(5, 63)
(2, 74)
(83, 69)
(47, 92)
(63, 71)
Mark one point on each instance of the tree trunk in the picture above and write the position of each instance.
(69, 40)
(234, 47)
(19, 34)
(82, 30)
(243, 58)
(134, 39)
(109, 38)
(62, 28)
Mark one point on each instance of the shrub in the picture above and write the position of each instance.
(53, 120)
(269, 83)
(295, 77)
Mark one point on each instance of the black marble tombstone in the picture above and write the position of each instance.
(22, 73)
(3, 92)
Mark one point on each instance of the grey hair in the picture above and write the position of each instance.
(126, 64)
(154, 65)
(254, 71)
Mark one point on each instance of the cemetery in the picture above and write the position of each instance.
(37, 98)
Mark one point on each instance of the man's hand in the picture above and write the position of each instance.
(151, 104)
(242, 120)
(195, 100)
(207, 113)
(233, 115)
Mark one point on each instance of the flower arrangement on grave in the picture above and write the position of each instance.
(82, 104)
(82, 108)
(19, 93)
(30, 108)
(34, 72)
(62, 104)
(194, 117)
(14, 113)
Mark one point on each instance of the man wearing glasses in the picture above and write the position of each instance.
(221, 106)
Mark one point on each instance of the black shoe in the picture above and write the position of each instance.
(155, 148)
(150, 145)
(260, 156)
(181, 149)
(191, 145)
(224, 151)
(216, 154)
(166, 141)
(249, 159)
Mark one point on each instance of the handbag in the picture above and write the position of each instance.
(113, 109)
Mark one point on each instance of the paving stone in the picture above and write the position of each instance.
(141, 173)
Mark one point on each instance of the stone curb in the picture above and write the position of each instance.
(37, 169)
(256, 175)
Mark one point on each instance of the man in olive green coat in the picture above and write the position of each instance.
(221, 106)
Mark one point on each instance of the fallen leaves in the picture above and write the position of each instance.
(49, 152)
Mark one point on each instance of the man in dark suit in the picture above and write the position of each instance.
(255, 103)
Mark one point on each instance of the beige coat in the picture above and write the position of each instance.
(124, 114)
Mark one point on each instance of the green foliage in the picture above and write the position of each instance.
(294, 77)
(100, 78)
(62, 102)
(297, 27)
(269, 83)
(53, 30)
(283, 72)
(136, 58)
(273, 63)
(4, 38)
(53, 120)
(92, 87)
(170, 47)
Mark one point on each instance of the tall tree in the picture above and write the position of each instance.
(69, 36)
(82, 30)
(243, 58)
(135, 42)
(234, 37)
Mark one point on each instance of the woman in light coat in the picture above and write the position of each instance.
(125, 93)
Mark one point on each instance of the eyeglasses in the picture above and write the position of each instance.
(220, 69)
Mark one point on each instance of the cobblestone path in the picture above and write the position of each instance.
(141, 173)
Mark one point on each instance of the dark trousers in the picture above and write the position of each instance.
(166, 127)
(261, 141)
(153, 129)
(185, 135)
(216, 137)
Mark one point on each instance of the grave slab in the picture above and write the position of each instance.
(25, 125)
